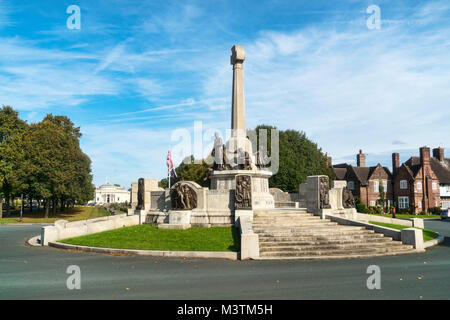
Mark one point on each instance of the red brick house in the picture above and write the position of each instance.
(365, 181)
(416, 185)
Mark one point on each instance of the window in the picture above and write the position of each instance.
(403, 184)
(385, 185)
(434, 186)
(351, 185)
(403, 202)
(419, 205)
(419, 185)
(376, 186)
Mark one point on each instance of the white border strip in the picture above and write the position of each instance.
(153, 253)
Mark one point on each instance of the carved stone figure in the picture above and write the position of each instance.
(324, 193)
(261, 158)
(218, 153)
(244, 160)
(140, 195)
(347, 199)
(243, 192)
(183, 197)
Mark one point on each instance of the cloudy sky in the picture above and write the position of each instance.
(138, 74)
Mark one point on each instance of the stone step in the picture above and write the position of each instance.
(309, 233)
(293, 225)
(356, 236)
(292, 221)
(336, 252)
(296, 217)
(306, 242)
(321, 247)
(312, 229)
(282, 214)
(340, 256)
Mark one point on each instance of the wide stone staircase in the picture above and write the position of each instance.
(297, 234)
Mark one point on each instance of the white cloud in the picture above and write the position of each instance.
(348, 89)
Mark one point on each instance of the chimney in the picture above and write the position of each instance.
(395, 163)
(329, 160)
(424, 156)
(438, 154)
(361, 159)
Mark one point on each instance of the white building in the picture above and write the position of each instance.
(109, 193)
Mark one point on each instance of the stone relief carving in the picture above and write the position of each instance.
(183, 197)
(243, 192)
(324, 193)
(140, 195)
(347, 198)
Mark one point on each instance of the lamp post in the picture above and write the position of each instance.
(21, 207)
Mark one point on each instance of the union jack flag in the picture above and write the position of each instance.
(170, 167)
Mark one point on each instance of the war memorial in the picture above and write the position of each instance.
(320, 222)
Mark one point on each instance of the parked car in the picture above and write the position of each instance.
(445, 213)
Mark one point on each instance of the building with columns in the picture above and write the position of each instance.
(109, 193)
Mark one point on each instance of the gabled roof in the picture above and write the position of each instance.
(363, 174)
(340, 173)
(441, 169)
(413, 165)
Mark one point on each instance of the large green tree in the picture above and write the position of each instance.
(11, 126)
(50, 165)
(299, 157)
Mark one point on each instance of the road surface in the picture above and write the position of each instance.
(40, 273)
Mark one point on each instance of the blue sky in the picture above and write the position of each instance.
(139, 70)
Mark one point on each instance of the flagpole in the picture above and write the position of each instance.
(168, 170)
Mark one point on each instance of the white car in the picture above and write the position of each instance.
(445, 213)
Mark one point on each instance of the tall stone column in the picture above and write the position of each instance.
(238, 140)
(238, 102)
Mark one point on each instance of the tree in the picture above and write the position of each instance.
(10, 127)
(50, 165)
(382, 200)
(299, 158)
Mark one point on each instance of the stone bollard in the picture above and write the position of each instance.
(414, 237)
(417, 223)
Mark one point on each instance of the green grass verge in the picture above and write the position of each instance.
(427, 234)
(146, 237)
(72, 214)
(408, 216)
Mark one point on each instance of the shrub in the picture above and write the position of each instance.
(434, 210)
(374, 210)
(361, 207)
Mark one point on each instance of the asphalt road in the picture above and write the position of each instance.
(40, 273)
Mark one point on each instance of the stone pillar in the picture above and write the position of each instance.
(239, 132)
(238, 102)
(134, 193)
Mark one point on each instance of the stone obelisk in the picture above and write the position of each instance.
(222, 181)
(239, 133)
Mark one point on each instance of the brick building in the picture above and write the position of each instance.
(418, 184)
(365, 181)
(422, 182)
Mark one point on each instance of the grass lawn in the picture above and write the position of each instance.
(146, 237)
(408, 216)
(427, 234)
(72, 214)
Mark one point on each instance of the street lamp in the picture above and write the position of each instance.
(21, 207)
